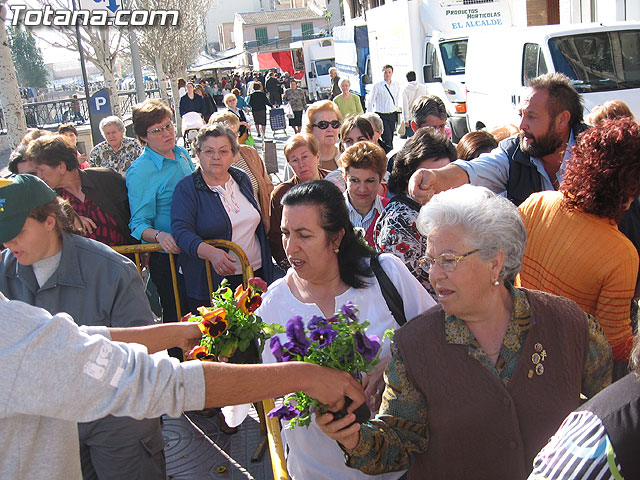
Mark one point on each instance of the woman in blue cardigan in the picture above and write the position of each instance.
(217, 201)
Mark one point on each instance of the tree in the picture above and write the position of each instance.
(10, 93)
(27, 58)
(171, 49)
(101, 47)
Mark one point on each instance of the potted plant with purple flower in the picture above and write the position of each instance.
(338, 342)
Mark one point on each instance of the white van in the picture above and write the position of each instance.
(430, 38)
(603, 61)
(315, 57)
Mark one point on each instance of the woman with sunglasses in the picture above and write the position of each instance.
(477, 384)
(323, 120)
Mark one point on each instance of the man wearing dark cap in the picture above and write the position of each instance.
(56, 374)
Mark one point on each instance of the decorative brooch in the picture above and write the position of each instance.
(537, 358)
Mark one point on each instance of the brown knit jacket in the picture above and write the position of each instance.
(478, 427)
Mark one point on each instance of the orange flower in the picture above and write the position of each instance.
(241, 297)
(200, 353)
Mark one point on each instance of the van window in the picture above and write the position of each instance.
(533, 64)
(599, 61)
(323, 66)
(432, 59)
(454, 55)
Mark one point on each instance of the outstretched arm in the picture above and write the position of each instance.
(228, 384)
(160, 337)
(425, 183)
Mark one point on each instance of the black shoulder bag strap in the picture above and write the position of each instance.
(389, 292)
(392, 97)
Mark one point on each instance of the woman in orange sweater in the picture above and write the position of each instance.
(574, 247)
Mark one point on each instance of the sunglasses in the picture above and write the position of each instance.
(323, 124)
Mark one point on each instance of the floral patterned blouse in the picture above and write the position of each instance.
(102, 155)
(395, 232)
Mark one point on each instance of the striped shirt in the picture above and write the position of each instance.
(580, 449)
(384, 97)
(358, 220)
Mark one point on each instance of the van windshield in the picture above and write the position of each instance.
(599, 61)
(454, 55)
(323, 66)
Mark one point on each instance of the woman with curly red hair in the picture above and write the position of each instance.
(574, 247)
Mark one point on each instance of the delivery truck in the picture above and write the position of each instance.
(351, 46)
(314, 57)
(430, 37)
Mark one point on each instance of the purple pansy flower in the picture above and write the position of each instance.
(367, 346)
(276, 348)
(315, 322)
(349, 311)
(324, 335)
(295, 331)
(284, 412)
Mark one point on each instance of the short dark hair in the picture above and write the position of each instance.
(473, 144)
(425, 144)
(148, 113)
(426, 105)
(52, 150)
(67, 127)
(387, 66)
(335, 217)
(356, 121)
(16, 157)
(562, 96)
(411, 76)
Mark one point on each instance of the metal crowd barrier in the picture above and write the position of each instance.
(269, 427)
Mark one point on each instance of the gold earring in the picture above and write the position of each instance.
(336, 250)
(496, 283)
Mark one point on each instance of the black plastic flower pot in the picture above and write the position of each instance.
(362, 413)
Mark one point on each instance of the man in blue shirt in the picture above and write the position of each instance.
(151, 180)
(551, 119)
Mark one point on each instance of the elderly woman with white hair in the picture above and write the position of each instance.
(477, 384)
(118, 151)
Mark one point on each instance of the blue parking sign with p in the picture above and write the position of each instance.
(99, 104)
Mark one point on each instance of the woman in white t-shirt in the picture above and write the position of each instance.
(217, 201)
(330, 266)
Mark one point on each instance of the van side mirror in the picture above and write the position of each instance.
(427, 71)
(312, 74)
(366, 79)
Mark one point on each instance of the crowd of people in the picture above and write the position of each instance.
(514, 255)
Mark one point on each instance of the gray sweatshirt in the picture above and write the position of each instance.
(54, 374)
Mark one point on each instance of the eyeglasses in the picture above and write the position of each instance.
(160, 130)
(323, 124)
(447, 261)
(223, 152)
